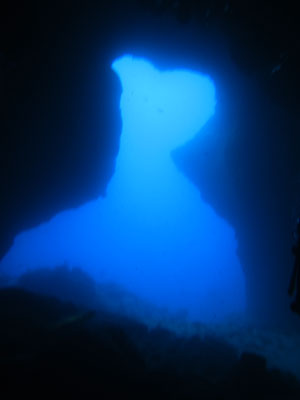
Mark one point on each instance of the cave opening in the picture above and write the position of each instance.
(152, 234)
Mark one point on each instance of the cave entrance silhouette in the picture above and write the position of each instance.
(152, 233)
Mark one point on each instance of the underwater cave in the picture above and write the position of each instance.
(152, 233)
(149, 202)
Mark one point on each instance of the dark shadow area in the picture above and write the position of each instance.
(81, 348)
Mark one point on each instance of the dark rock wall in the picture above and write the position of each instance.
(245, 164)
(60, 119)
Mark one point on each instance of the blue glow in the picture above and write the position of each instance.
(152, 233)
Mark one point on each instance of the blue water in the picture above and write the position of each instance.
(152, 233)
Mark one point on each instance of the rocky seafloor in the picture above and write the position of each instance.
(110, 343)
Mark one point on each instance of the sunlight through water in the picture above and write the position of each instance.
(152, 233)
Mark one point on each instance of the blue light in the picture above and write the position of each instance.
(152, 233)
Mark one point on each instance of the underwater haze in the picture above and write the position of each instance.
(152, 233)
